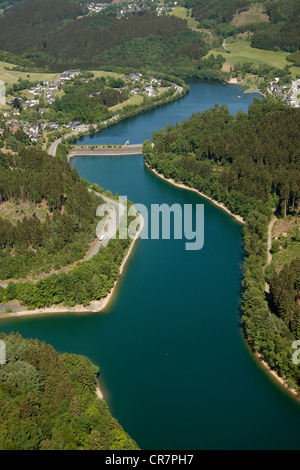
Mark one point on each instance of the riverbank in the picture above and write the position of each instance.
(184, 186)
(98, 391)
(274, 375)
(246, 86)
(73, 136)
(267, 369)
(95, 306)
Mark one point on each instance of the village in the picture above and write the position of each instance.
(123, 8)
(41, 96)
(289, 94)
(44, 96)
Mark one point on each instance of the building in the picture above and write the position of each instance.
(33, 137)
(134, 77)
(69, 74)
(150, 91)
(31, 102)
(34, 129)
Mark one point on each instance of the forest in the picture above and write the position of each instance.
(280, 32)
(285, 287)
(48, 401)
(88, 102)
(30, 244)
(33, 32)
(26, 24)
(251, 163)
(215, 11)
(51, 222)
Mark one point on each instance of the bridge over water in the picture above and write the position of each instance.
(134, 149)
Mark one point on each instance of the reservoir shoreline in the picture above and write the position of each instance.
(279, 380)
(184, 186)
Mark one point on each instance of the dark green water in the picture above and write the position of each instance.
(175, 370)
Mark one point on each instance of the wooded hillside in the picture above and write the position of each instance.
(48, 402)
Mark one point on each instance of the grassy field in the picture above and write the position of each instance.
(133, 100)
(13, 212)
(10, 76)
(243, 49)
(242, 52)
(284, 237)
(181, 12)
(102, 73)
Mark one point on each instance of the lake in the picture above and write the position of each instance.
(175, 369)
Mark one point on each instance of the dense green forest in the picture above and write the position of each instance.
(53, 218)
(213, 12)
(284, 290)
(295, 58)
(7, 3)
(48, 401)
(251, 163)
(250, 157)
(27, 24)
(35, 32)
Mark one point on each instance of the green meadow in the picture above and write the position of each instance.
(181, 12)
(241, 52)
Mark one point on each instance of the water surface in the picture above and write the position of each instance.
(200, 97)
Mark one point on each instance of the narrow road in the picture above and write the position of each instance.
(113, 227)
(224, 46)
